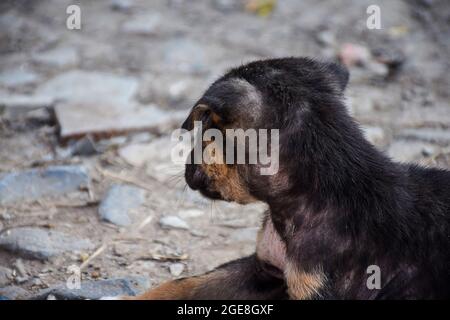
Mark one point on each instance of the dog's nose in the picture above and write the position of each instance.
(194, 177)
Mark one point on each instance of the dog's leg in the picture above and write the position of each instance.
(240, 279)
(304, 285)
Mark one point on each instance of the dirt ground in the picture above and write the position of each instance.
(170, 50)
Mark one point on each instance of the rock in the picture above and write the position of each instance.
(120, 199)
(245, 235)
(352, 54)
(60, 57)
(176, 269)
(361, 104)
(173, 222)
(139, 154)
(13, 293)
(185, 56)
(142, 137)
(36, 183)
(326, 38)
(6, 276)
(227, 6)
(374, 134)
(406, 151)
(92, 87)
(104, 119)
(6, 216)
(426, 134)
(96, 289)
(17, 77)
(122, 5)
(20, 268)
(25, 102)
(84, 147)
(41, 244)
(142, 24)
(377, 69)
(191, 213)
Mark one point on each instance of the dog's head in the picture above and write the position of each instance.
(296, 96)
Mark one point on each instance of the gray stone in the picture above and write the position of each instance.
(245, 235)
(106, 118)
(426, 134)
(173, 222)
(13, 293)
(142, 24)
(82, 86)
(122, 5)
(191, 213)
(59, 57)
(6, 276)
(36, 183)
(41, 244)
(326, 38)
(16, 101)
(84, 147)
(129, 286)
(176, 269)
(18, 77)
(120, 199)
(406, 151)
(185, 55)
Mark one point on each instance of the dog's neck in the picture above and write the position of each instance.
(342, 174)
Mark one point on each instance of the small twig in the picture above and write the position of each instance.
(94, 255)
(122, 178)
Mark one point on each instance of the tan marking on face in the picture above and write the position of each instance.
(226, 178)
(303, 285)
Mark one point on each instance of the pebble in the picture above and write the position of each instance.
(96, 289)
(41, 244)
(13, 292)
(176, 269)
(142, 24)
(173, 222)
(18, 77)
(6, 276)
(83, 147)
(37, 183)
(63, 57)
(433, 135)
(122, 5)
(326, 38)
(191, 213)
(407, 151)
(118, 202)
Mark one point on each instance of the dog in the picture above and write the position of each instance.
(337, 205)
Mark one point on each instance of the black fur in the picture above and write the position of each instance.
(337, 201)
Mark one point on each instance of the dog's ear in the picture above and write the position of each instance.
(340, 74)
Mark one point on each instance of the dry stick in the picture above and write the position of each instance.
(94, 255)
(122, 178)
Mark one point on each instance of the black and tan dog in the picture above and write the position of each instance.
(337, 205)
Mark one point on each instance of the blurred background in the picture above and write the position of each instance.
(87, 189)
